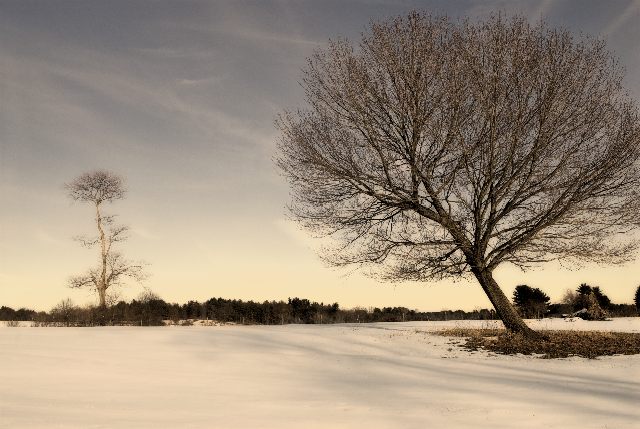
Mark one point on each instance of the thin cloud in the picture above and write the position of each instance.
(144, 234)
(257, 36)
(207, 80)
(46, 237)
(632, 10)
(233, 28)
(543, 10)
(115, 78)
(177, 53)
(262, 36)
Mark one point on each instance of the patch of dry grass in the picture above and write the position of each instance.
(471, 332)
(554, 344)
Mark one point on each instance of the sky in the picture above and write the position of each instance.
(179, 98)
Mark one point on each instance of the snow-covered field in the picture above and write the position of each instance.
(385, 375)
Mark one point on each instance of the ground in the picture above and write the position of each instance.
(384, 375)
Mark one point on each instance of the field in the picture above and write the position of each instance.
(387, 375)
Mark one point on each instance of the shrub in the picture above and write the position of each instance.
(64, 312)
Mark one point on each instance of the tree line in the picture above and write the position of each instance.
(533, 303)
(157, 312)
(148, 309)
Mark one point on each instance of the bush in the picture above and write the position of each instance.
(64, 312)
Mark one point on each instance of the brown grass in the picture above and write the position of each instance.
(555, 344)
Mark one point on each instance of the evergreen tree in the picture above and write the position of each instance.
(530, 301)
(585, 290)
(603, 299)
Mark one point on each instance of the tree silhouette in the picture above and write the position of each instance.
(442, 150)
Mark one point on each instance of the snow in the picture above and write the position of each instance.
(384, 375)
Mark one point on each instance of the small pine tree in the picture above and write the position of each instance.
(637, 298)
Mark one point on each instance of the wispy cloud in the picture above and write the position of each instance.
(181, 53)
(261, 36)
(631, 12)
(543, 9)
(144, 234)
(207, 80)
(120, 81)
(45, 237)
(233, 24)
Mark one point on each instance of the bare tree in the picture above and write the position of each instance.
(569, 297)
(443, 150)
(97, 187)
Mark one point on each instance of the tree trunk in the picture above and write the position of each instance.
(102, 289)
(102, 293)
(511, 319)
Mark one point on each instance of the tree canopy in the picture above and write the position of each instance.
(438, 149)
(524, 294)
(530, 301)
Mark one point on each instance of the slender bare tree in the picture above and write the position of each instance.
(97, 187)
(443, 150)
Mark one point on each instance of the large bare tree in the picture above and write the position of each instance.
(97, 187)
(441, 150)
